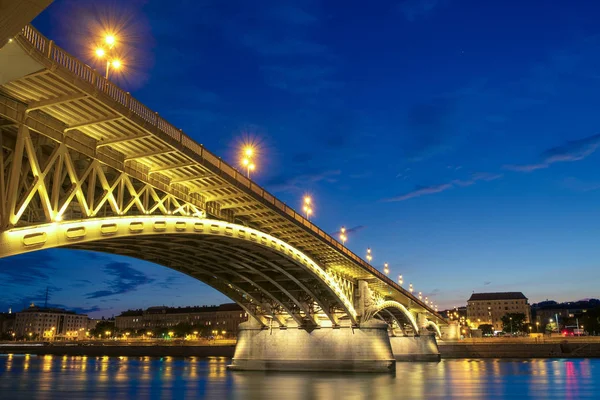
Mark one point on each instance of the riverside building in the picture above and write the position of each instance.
(489, 308)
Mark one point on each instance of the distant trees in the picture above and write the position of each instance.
(513, 322)
(486, 329)
(106, 325)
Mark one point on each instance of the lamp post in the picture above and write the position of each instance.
(400, 280)
(369, 256)
(247, 162)
(511, 330)
(106, 52)
(386, 269)
(410, 287)
(420, 296)
(537, 326)
(307, 206)
(343, 237)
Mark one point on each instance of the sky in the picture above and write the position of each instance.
(457, 139)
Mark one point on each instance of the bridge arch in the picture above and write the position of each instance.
(436, 328)
(268, 277)
(402, 312)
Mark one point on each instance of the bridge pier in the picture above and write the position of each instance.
(347, 348)
(415, 348)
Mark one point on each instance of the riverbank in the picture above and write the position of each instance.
(125, 350)
(588, 347)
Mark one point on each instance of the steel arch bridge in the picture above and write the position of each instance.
(87, 166)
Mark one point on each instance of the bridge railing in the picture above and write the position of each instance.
(90, 75)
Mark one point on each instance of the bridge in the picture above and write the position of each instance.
(87, 166)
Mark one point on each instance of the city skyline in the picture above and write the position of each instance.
(461, 159)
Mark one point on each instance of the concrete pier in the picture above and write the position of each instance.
(415, 348)
(364, 349)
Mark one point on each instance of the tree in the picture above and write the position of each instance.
(486, 329)
(513, 322)
(102, 327)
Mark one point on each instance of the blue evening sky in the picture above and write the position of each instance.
(458, 138)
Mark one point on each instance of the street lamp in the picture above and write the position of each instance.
(247, 155)
(307, 206)
(386, 269)
(420, 296)
(537, 326)
(106, 52)
(410, 288)
(400, 280)
(511, 329)
(343, 237)
(369, 256)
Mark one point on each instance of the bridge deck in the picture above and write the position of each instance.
(102, 120)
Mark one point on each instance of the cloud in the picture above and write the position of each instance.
(414, 9)
(300, 79)
(429, 125)
(351, 230)
(425, 190)
(571, 151)
(125, 279)
(27, 269)
(301, 182)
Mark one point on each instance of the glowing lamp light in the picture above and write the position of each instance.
(369, 255)
(410, 287)
(420, 296)
(100, 52)
(386, 269)
(248, 151)
(116, 64)
(400, 280)
(110, 40)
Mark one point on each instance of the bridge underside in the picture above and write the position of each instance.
(268, 285)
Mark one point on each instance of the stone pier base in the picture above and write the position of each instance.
(364, 349)
(417, 348)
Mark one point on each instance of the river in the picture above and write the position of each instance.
(67, 377)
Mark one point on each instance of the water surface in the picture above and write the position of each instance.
(64, 377)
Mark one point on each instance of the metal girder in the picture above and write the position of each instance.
(94, 122)
(189, 178)
(150, 154)
(173, 167)
(120, 140)
(38, 105)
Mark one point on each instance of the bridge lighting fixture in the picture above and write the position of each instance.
(410, 288)
(247, 154)
(343, 237)
(386, 269)
(307, 207)
(400, 280)
(369, 256)
(420, 296)
(105, 52)
(426, 300)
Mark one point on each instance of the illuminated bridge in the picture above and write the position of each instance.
(87, 166)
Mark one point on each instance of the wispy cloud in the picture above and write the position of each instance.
(571, 151)
(125, 279)
(414, 9)
(301, 182)
(426, 190)
(27, 269)
(351, 230)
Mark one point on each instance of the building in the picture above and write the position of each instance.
(489, 308)
(547, 311)
(7, 325)
(225, 317)
(42, 323)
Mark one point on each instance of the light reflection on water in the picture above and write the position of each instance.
(30, 377)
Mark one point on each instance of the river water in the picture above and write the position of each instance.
(66, 377)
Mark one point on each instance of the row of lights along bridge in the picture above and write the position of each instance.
(107, 52)
(247, 162)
